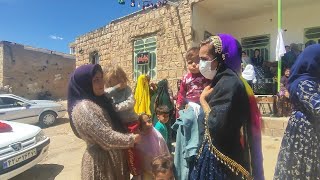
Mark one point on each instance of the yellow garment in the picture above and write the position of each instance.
(142, 96)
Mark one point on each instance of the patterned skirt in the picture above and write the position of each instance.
(299, 156)
(209, 167)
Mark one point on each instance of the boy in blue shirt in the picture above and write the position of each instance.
(162, 113)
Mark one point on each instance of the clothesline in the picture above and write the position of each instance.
(145, 4)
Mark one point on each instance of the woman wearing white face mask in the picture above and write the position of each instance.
(231, 147)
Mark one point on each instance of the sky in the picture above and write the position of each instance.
(53, 24)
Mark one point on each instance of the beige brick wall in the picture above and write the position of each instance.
(30, 71)
(170, 25)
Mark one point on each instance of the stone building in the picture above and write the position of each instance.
(33, 72)
(163, 35)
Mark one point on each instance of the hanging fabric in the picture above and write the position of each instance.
(121, 1)
(133, 3)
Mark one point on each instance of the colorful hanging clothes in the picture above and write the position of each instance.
(161, 97)
(133, 3)
(121, 1)
(142, 96)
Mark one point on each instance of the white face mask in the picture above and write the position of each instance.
(205, 69)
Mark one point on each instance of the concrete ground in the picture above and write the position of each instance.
(65, 154)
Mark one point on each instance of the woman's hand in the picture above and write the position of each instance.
(153, 86)
(286, 94)
(137, 138)
(205, 93)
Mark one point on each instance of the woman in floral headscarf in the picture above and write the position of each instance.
(299, 156)
(231, 147)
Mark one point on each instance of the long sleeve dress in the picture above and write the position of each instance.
(299, 156)
(229, 112)
(104, 158)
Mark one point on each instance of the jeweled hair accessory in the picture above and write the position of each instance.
(217, 43)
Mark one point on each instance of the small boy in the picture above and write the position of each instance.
(162, 167)
(193, 83)
(162, 113)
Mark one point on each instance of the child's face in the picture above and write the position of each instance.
(146, 123)
(165, 176)
(193, 66)
(287, 73)
(113, 81)
(164, 118)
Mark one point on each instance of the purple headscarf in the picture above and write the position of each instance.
(80, 88)
(231, 49)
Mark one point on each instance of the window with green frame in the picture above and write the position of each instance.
(146, 45)
(262, 42)
(312, 36)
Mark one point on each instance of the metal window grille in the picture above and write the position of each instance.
(312, 36)
(141, 46)
(262, 42)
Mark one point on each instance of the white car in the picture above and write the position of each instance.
(22, 148)
(18, 109)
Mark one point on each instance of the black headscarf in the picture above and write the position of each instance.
(80, 88)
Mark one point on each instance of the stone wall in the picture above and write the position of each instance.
(114, 43)
(32, 71)
(1, 65)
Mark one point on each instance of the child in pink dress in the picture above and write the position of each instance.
(150, 146)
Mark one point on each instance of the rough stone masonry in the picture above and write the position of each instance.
(171, 25)
(33, 72)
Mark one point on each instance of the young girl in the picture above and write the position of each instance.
(150, 146)
(123, 102)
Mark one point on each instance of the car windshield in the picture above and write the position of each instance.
(21, 98)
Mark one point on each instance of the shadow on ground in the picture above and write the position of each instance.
(40, 172)
(58, 122)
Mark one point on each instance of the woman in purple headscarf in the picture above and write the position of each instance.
(231, 147)
(299, 156)
(93, 119)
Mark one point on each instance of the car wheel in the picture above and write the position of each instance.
(47, 118)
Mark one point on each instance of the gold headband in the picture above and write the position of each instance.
(217, 43)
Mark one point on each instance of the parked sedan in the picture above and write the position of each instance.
(18, 109)
(21, 148)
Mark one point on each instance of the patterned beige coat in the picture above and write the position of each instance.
(104, 158)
